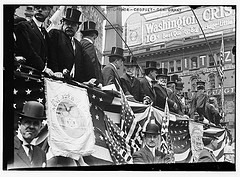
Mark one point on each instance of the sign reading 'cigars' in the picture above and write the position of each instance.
(142, 31)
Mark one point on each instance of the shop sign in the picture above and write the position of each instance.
(226, 90)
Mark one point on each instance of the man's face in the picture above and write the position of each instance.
(162, 81)
(153, 74)
(151, 140)
(131, 70)
(214, 144)
(70, 28)
(118, 63)
(41, 12)
(178, 92)
(29, 128)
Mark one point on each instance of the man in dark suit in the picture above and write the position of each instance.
(198, 102)
(26, 154)
(130, 84)
(149, 154)
(210, 143)
(148, 81)
(66, 51)
(162, 92)
(89, 35)
(32, 40)
(110, 75)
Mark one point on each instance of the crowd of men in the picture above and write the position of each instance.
(59, 54)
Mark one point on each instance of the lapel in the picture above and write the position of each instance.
(116, 74)
(20, 151)
(149, 86)
(149, 154)
(37, 32)
(69, 43)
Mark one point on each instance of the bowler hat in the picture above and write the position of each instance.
(34, 110)
(89, 26)
(179, 85)
(130, 61)
(172, 79)
(152, 128)
(117, 52)
(151, 65)
(73, 15)
(162, 72)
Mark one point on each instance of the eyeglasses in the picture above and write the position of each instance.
(42, 7)
(69, 23)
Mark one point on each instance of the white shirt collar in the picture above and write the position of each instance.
(152, 150)
(88, 40)
(38, 23)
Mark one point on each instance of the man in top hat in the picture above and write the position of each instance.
(32, 40)
(66, 51)
(149, 80)
(130, 84)
(26, 154)
(180, 98)
(110, 75)
(162, 93)
(210, 143)
(149, 153)
(89, 35)
(198, 102)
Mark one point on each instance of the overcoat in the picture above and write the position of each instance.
(148, 90)
(110, 76)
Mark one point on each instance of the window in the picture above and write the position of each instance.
(211, 60)
(179, 65)
(194, 63)
(171, 66)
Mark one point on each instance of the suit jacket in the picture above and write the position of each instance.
(206, 156)
(91, 61)
(21, 160)
(132, 87)
(161, 95)
(64, 57)
(174, 98)
(110, 76)
(145, 156)
(31, 44)
(148, 90)
(198, 103)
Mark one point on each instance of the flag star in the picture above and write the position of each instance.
(97, 117)
(40, 100)
(28, 91)
(15, 91)
(30, 72)
(24, 102)
(14, 105)
(93, 96)
(100, 99)
(41, 89)
(101, 137)
(19, 68)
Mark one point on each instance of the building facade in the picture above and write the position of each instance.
(172, 37)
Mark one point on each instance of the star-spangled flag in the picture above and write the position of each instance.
(166, 146)
(221, 62)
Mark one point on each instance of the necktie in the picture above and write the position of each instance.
(72, 73)
(43, 31)
(30, 152)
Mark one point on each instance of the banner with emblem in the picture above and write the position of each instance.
(196, 134)
(71, 132)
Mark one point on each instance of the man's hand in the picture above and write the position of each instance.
(48, 71)
(147, 100)
(58, 74)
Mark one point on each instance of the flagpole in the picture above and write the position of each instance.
(222, 78)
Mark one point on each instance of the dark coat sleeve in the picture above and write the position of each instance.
(53, 64)
(138, 158)
(24, 44)
(108, 76)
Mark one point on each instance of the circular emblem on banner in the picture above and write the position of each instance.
(71, 119)
(133, 35)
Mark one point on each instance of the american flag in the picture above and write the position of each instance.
(130, 127)
(166, 145)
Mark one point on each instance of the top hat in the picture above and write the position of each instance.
(172, 79)
(179, 85)
(151, 65)
(117, 52)
(89, 26)
(34, 110)
(73, 15)
(130, 61)
(162, 72)
(152, 128)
